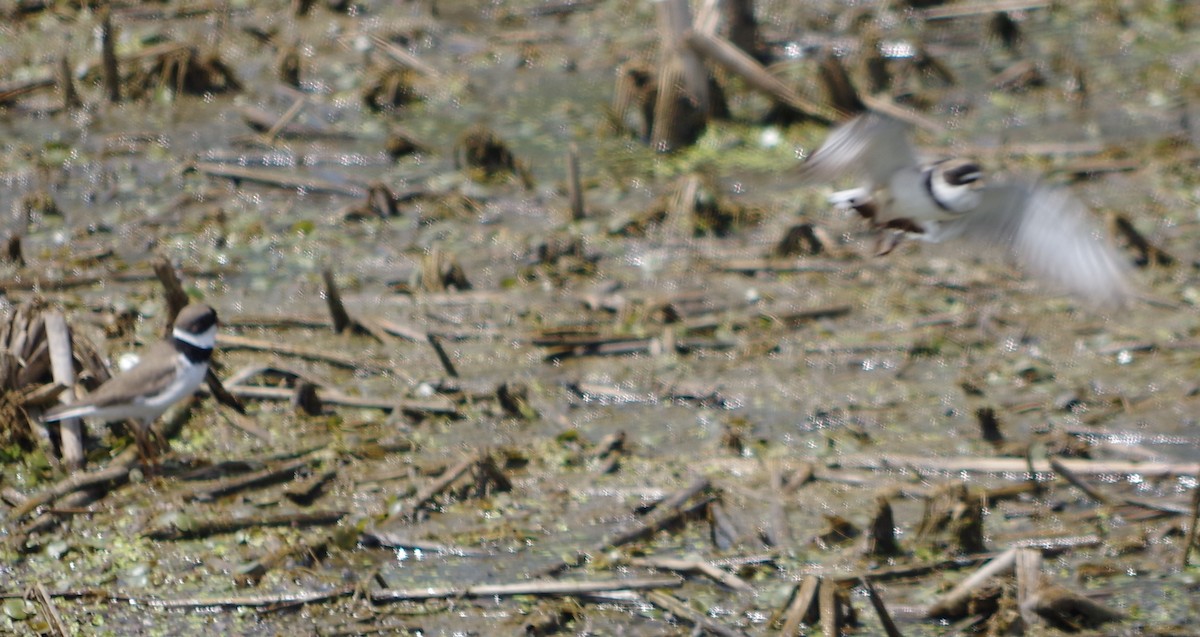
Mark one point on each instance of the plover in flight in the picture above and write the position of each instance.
(1045, 228)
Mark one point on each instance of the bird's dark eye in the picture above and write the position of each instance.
(963, 174)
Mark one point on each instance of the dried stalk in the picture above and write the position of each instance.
(1191, 532)
(574, 187)
(174, 295)
(737, 61)
(108, 56)
(62, 366)
(66, 84)
(333, 298)
(803, 606)
(1029, 583)
(965, 10)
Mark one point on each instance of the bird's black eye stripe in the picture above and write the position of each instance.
(964, 174)
(206, 321)
(196, 319)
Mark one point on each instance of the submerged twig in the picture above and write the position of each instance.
(285, 119)
(330, 397)
(1067, 610)
(81, 280)
(389, 539)
(682, 611)
(531, 587)
(669, 510)
(443, 482)
(1078, 482)
(435, 342)
(279, 179)
(271, 475)
(117, 471)
(707, 569)
(954, 602)
(233, 341)
(275, 599)
(252, 573)
(1080, 466)
(195, 529)
(10, 91)
(885, 618)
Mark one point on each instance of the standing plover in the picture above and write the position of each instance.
(169, 371)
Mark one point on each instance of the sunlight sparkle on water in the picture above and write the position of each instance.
(897, 49)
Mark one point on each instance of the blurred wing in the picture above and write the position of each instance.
(1049, 231)
(868, 144)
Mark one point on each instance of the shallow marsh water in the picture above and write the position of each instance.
(884, 379)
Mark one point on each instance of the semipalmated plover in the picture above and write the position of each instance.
(169, 371)
(1045, 228)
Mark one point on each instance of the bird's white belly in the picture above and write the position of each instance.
(187, 378)
(908, 198)
(146, 408)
